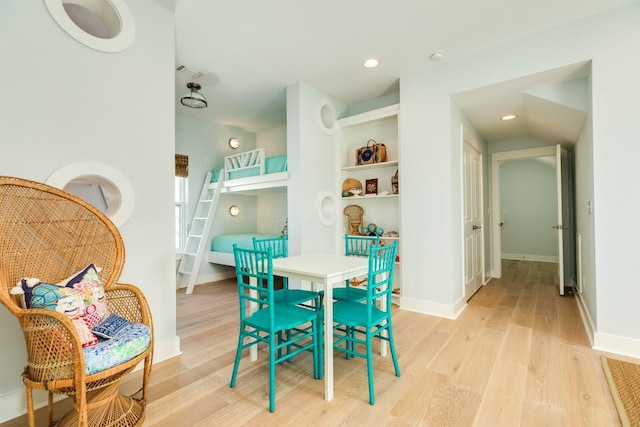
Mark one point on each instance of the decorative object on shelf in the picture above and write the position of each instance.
(350, 183)
(371, 186)
(355, 192)
(394, 183)
(372, 230)
(373, 152)
(354, 215)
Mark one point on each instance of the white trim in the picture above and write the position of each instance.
(117, 43)
(527, 257)
(391, 110)
(617, 345)
(224, 258)
(433, 308)
(123, 197)
(326, 208)
(331, 110)
(586, 319)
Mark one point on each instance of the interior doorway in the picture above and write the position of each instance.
(563, 226)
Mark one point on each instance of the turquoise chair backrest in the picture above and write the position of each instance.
(382, 261)
(278, 246)
(254, 270)
(359, 245)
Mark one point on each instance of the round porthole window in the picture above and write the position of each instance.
(101, 185)
(326, 117)
(105, 25)
(326, 208)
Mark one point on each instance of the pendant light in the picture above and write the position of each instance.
(194, 99)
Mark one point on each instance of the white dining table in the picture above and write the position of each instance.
(327, 271)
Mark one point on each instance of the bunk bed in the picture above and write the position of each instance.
(250, 172)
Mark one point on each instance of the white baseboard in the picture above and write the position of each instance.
(208, 278)
(617, 345)
(586, 318)
(432, 308)
(604, 342)
(14, 404)
(527, 257)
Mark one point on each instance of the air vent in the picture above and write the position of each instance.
(188, 71)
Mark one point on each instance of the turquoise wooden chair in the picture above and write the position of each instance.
(278, 325)
(285, 295)
(357, 324)
(305, 298)
(355, 246)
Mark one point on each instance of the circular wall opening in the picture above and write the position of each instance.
(327, 117)
(105, 25)
(326, 208)
(100, 185)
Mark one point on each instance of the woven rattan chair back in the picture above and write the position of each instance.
(50, 234)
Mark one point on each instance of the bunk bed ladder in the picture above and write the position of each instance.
(196, 244)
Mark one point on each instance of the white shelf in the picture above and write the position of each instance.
(393, 163)
(381, 125)
(358, 198)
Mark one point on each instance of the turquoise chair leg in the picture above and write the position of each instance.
(236, 364)
(370, 368)
(392, 348)
(272, 375)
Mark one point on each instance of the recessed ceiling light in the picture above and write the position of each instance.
(371, 63)
(508, 117)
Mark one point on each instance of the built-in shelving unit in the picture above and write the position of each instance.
(383, 207)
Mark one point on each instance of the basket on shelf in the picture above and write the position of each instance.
(350, 183)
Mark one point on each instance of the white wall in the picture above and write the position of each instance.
(272, 207)
(528, 209)
(313, 162)
(430, 159)
(207, 143)
(62, 102)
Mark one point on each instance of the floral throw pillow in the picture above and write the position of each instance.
(89, 283)
(37, 294)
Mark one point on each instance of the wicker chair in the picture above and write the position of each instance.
(50, 234)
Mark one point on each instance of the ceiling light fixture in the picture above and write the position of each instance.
(508, 117)
(437, 55)
(194, 99)
(371, 63)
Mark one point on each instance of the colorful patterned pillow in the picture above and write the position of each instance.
(68, 301)
(89, 283)
(111, 326)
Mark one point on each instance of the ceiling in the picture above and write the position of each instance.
(245, 53)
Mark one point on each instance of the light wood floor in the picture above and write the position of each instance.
(517, 356)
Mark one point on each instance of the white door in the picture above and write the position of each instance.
(561, 156)
(473, 235)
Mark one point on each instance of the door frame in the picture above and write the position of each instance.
(496, 160)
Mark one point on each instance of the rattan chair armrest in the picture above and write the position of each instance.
(128, 301)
